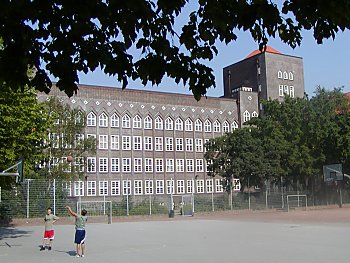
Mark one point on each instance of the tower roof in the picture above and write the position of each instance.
(268, 50)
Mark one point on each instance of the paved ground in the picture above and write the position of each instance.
(320, 236)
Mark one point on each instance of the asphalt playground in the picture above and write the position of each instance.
(186, 240)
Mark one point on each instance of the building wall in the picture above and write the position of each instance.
(216, 115)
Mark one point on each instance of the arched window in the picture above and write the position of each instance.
(158, 123)
(291, 76)
(91, 119)
(103, 120)
(226, 127)
(234, 125)
(279, 74)
(136, 122)
(217, 126)
(79, 118)
(207, 126)
(169, 124)
(285, 75)
(126, 121)
(246, 116)
(255, 114)
(198, 125)
(188, 125)
(114, 120)
(179, 125)
(147, 123)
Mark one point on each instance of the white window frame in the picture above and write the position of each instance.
(200, 186)
(188, 125)
(114, 121)
(189, 144)
(149, 187)
(158, 144)
(198, 144)
(138, 187)
(148, 143)
(103, 142)
(91, 164)
(180, 165)
(137, 165)
(126, 187)
(179, 144)
(148, 123)
(189, 165)
(115, 165)
(137, 122)
(189, 186)
(126, 121)
(137, 143)
(126, 165)
(234, 126)
(180, 186)
(170, 189)
(169, 165)
(225, 127)
(103, 188)
(179, 124)
(199, 165)
(169, 124)
(115, 187)
(159, 165)
(103, 120)
(209, 185)
(90, 188)
(103, 165)
(159, 187)
(91, 119)
(219, 187)
(169, 144)
(207, 126)
(148, 165)
(78, 188)
(198, 125)
(217, 126)
(126, 143)
(158, 123)
(246, 116)
(114, 142)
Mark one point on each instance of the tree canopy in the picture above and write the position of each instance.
(61, 38)
(290, 140)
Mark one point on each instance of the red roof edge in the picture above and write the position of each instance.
(268, 50)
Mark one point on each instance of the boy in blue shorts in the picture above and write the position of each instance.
(79, 230)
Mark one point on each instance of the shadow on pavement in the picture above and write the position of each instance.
(11, 232)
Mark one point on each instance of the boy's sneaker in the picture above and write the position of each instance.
(77, 255)
(82, 255)
(42, 248)
(49, 248)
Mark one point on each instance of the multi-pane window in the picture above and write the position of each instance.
(189, 144)
(91, 164)
(200, 186)
(206, 145)
(169, 165)
(217, 126)
(79, 164)
(236, 185)
(103, 188)
(179, 165)
(138, 187)
(219, 186)
(246, 116)
(170, 187)
(226, 127)
(126, 165)
(159, 165)
(91, 188)
(291, 76)
(199, 165)
(179, 125)
(285, 75)
(189, 165)
(78, 188)
(199, 145)
(179, 144)
(126, 187)
(148, 165)
(148, 187)
(280, 91)
(279, 74)
(148, 143)
(147, 123)
(291, 91)
(137, 165)
(169, 144)
(207, 126)
(198, 125)
(158, 144)
(126, 121)
(254, 114)
(286, 89)
(103, 141)
(209, 185)
(103, 120)
(114, 121)
(234, 125)
(103, 165)
(189, 186)
(126, 143)
(114, 142)
(115, 187)
(180, 186)
(188, 125)
(115, 165)
(158, 123)
(136, 122)
(169, 124)
(91, 119)
(159, 187)
(137, 145)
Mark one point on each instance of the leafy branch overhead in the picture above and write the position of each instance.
(144, 39)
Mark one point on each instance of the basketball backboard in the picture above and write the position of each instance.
(333, 172)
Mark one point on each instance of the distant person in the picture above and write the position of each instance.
(79, 231)
(49, 233)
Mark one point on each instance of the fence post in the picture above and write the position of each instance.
(54, 196)
(127, 202)
(212, 201)
(28, 180)
(150, 205)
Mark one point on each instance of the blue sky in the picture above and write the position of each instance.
(325, 65)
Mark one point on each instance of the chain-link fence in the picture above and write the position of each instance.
(31, 198)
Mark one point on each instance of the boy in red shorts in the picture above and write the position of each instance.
(49, 233)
